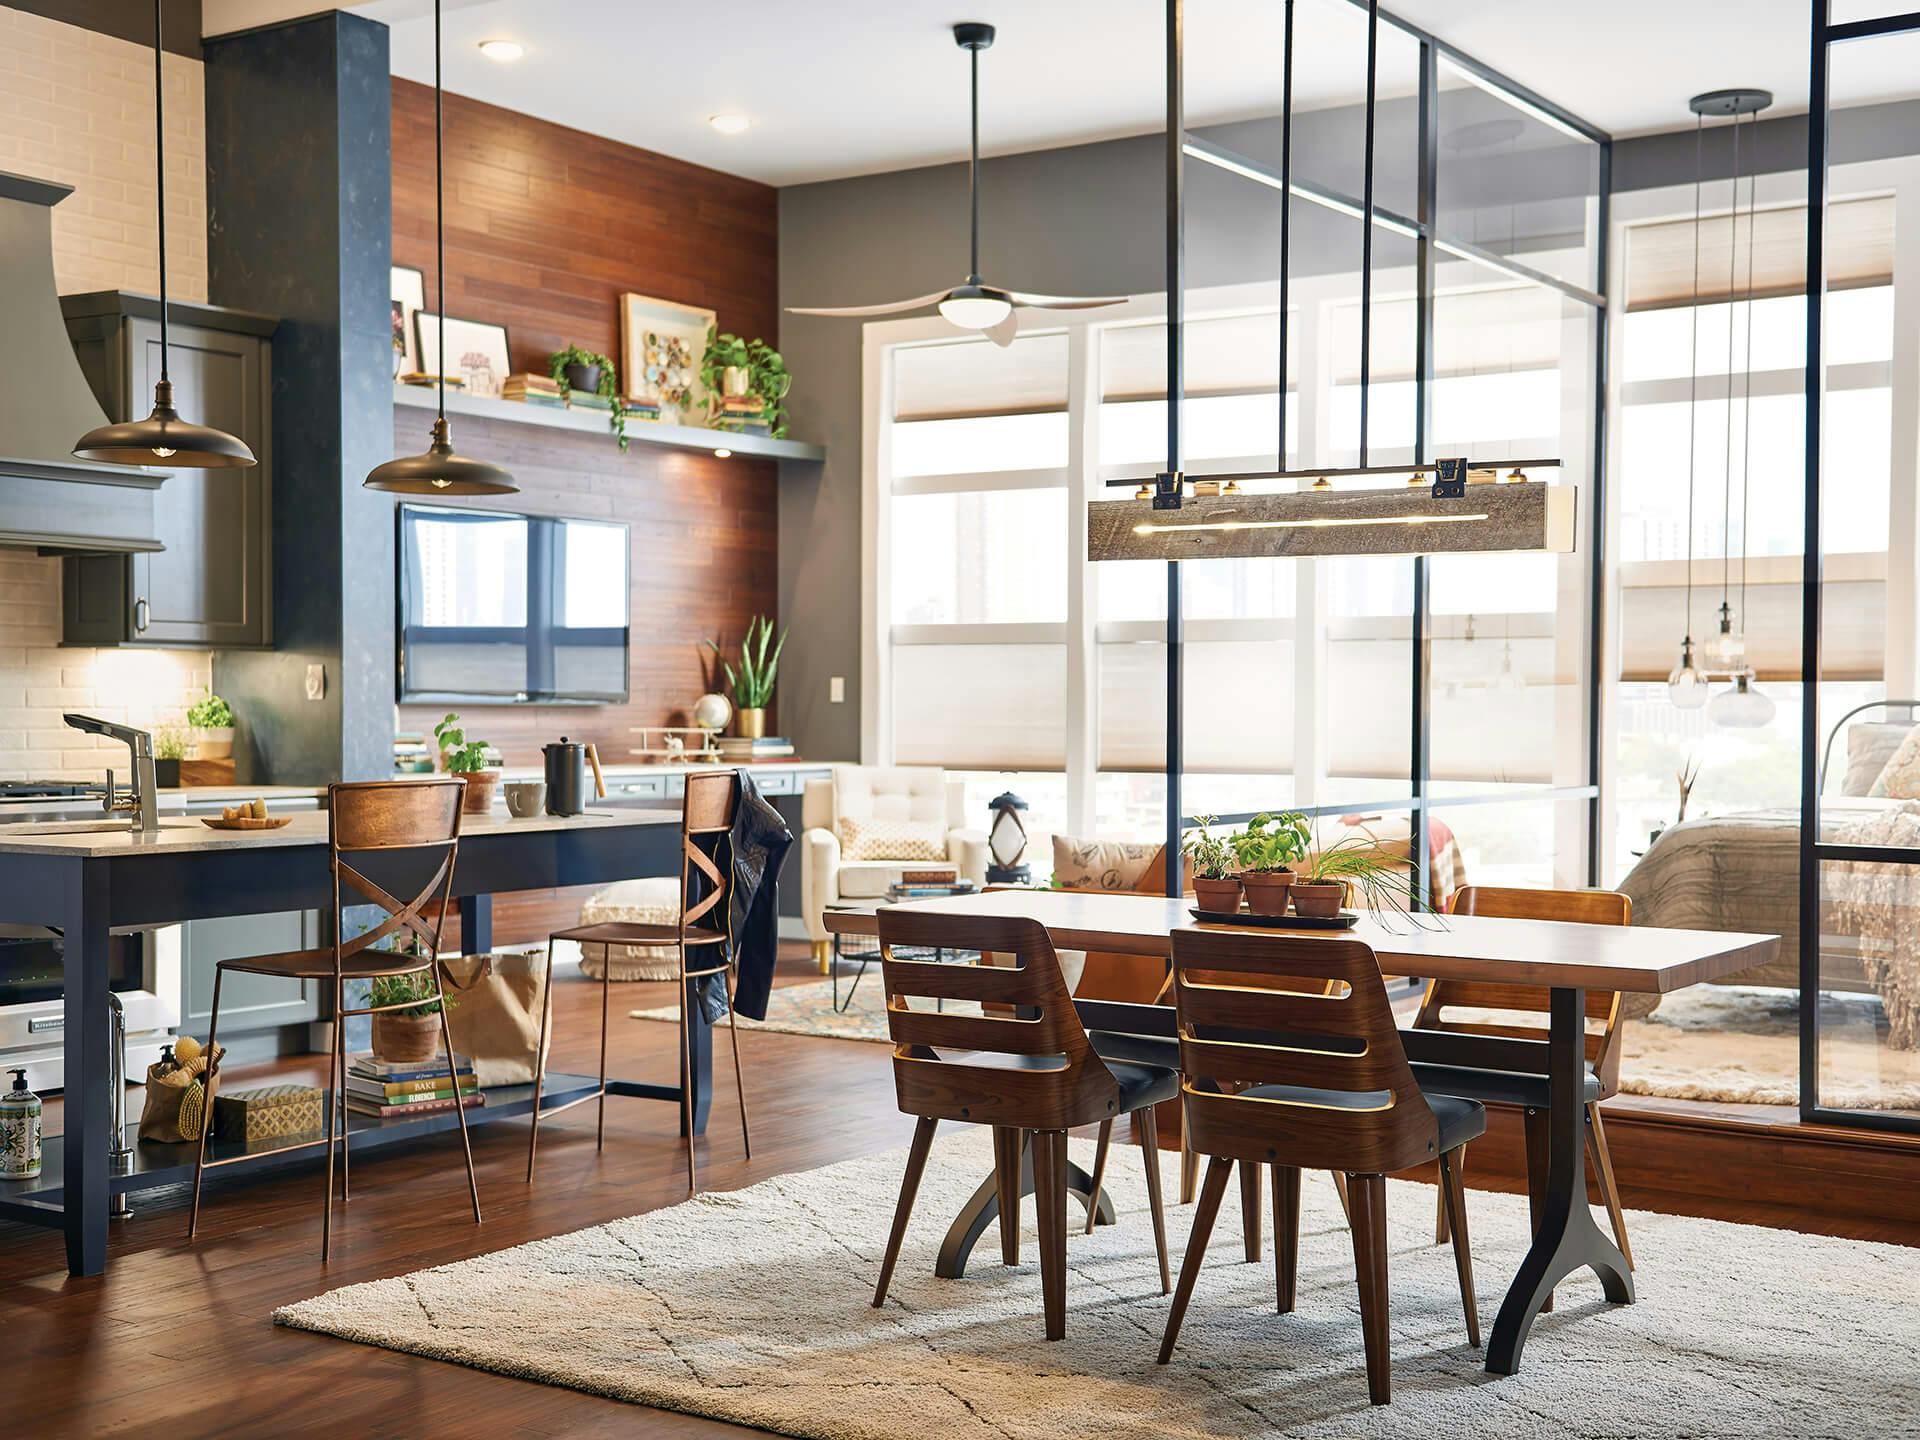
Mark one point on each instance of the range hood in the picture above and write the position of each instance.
(49, 501)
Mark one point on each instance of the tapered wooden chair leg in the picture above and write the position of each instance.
(1100, 1170)
(1146, 1128)
(1453, 1200)
(1212, 1191)
(453, 1079)
(200, 1159)
(1189, 1171)
(1369, 1194)
(1050, 1201)
(1340, 1189)
(540, 1062)
(903, 1207)
(1250, 1210)
(1609, 1187)
(1008, 1146)
(1441, 1234)
(1286, 1235)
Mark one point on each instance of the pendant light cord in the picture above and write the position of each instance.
(160, 174)
(1746, 416)
(1726, 488)
(1693, 366)
(439, 215)
(1366, 234)
(973, 175)
(1286, 213)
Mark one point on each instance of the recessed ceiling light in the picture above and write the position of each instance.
(503, 51)
(728, 124)
(722, 453)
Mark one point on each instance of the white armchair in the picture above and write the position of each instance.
(864, 792)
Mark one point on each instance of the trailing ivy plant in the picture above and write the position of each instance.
(767, 375)
(752, 684)
(609, 384)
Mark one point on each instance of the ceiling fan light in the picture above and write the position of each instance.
(973, 307)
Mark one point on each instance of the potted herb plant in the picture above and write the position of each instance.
(169, 749)
(1215, 885)
(467, 759)
(410, 1033)
(752, 683)
(1352, 864)
(1267, 851)
(591, 373)
(736, 369)
(212, 722)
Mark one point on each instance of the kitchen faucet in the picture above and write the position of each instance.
(140, 802)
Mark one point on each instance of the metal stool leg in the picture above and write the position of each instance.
(453, 1078)
(540, 1062)
(200, 1162)
(739, 1082)
(606, 994)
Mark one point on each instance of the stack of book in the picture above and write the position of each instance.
(643, 409)
(743, 415)
(424, 377)
(399, 1088)
(412, 755)
(589, 400)
(764, 747)
(531, 389)
(929, 885)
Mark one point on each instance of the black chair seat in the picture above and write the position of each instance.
(1160, 1050)
(1498, 1087)
(1140, 1085)
(1459, 1120)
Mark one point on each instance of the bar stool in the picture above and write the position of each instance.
(365, 818)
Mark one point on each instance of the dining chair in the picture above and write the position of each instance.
(365, 818)
(1029, 1071)
(1588, 907)
(706, 889)
(1289, 1057)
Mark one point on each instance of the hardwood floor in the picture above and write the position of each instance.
(177, 1339)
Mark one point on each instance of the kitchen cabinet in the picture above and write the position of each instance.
(213, 584)
(247, 1002)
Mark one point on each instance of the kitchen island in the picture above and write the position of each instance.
(89, 877)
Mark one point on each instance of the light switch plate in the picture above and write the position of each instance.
(837, 690)
(316, 682)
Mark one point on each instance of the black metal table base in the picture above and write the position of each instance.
(983, 1209)
(1567, 1240)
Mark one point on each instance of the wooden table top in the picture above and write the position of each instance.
(1640, 958)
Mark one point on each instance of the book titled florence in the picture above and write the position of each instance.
(361, 1105)
(403, 1089)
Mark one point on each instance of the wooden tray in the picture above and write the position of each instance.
(1345, 920)
(272, 822)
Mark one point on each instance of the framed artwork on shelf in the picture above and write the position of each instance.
(409, 296)
(476, 351)
(661, 342)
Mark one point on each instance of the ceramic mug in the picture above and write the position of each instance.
(526, 798)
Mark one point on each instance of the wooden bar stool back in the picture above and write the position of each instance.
(365, 819)
(1028, 1070)
(704, 923)
(1290, 1057)
(1586, 907)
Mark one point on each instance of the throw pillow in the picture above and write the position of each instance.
(892, 839)
(1870, 744)
(1101, 864)
(1901, 779)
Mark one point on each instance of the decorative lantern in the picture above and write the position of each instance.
(1007, 841)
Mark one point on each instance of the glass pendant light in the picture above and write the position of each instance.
(440, 471)
(1741, 706)
(1686, 686)
(1727, 651)
(163, 438)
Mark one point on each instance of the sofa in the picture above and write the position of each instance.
(870, 801)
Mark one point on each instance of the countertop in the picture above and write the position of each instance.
(307, 827)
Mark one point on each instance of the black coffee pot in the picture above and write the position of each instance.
(567, 762)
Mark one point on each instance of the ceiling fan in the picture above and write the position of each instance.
(974, 306)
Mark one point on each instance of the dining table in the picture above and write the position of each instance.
(1564, 958)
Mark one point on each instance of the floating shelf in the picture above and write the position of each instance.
(594, 422)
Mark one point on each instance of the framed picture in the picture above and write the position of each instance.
(476, 351)
(661, 342)
(409, 295)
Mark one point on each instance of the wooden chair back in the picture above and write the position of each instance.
(378, 815)
(1304, 1011)
(706, 810)
(1584, 907)
(1029, 1066)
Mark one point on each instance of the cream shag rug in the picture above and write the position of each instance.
(752, 1307)
(1709, 1042)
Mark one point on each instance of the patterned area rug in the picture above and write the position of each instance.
(752, 1307)
(1710, 1042)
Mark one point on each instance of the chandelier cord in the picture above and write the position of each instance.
(1693, 368)
(1726, 490)
(1746, 418)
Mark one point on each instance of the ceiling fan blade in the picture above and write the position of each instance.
(1065, 302)
(893, 307)
(1002, 334)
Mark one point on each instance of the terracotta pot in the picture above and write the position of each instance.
(1267, 890)
(405, 1037)
(1220, 896)
(479, 797)
(1318, 901)
(750, 724)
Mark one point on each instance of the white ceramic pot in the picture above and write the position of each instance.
(213, 744)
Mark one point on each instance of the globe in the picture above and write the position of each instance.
(712, 712)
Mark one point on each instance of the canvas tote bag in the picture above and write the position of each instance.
(494, 1015)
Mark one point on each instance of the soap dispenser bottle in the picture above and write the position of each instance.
(19, 1131)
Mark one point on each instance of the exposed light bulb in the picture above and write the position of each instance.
(1741, 706)
(975, 312)
(1727, 651)
(502, 52)
(723, 453)
(1686, 687)
(728, 123)
(163, 451)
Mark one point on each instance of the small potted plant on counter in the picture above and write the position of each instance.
(467, 759)
(752, 683)
(1267, 850)
(1215, 885)
(169, 749)
(412, 1033)
(587, 373)
(212, 722)
(1354, 863)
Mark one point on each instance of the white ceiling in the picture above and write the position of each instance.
(849, 87)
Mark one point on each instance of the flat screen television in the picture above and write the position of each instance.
(502, 608)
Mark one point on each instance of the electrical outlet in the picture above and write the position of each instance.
(316, 682)
(837, 690)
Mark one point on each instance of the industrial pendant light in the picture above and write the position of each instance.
(440, 471)
(163, 438)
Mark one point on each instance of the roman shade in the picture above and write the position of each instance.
(1660, 265)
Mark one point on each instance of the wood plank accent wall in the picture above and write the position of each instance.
(545, 228)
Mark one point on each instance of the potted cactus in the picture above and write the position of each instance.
(1267, 851)
(1215, 885)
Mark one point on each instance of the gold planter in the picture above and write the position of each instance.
(749, 724)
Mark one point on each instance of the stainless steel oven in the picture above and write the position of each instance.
(143, 969)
